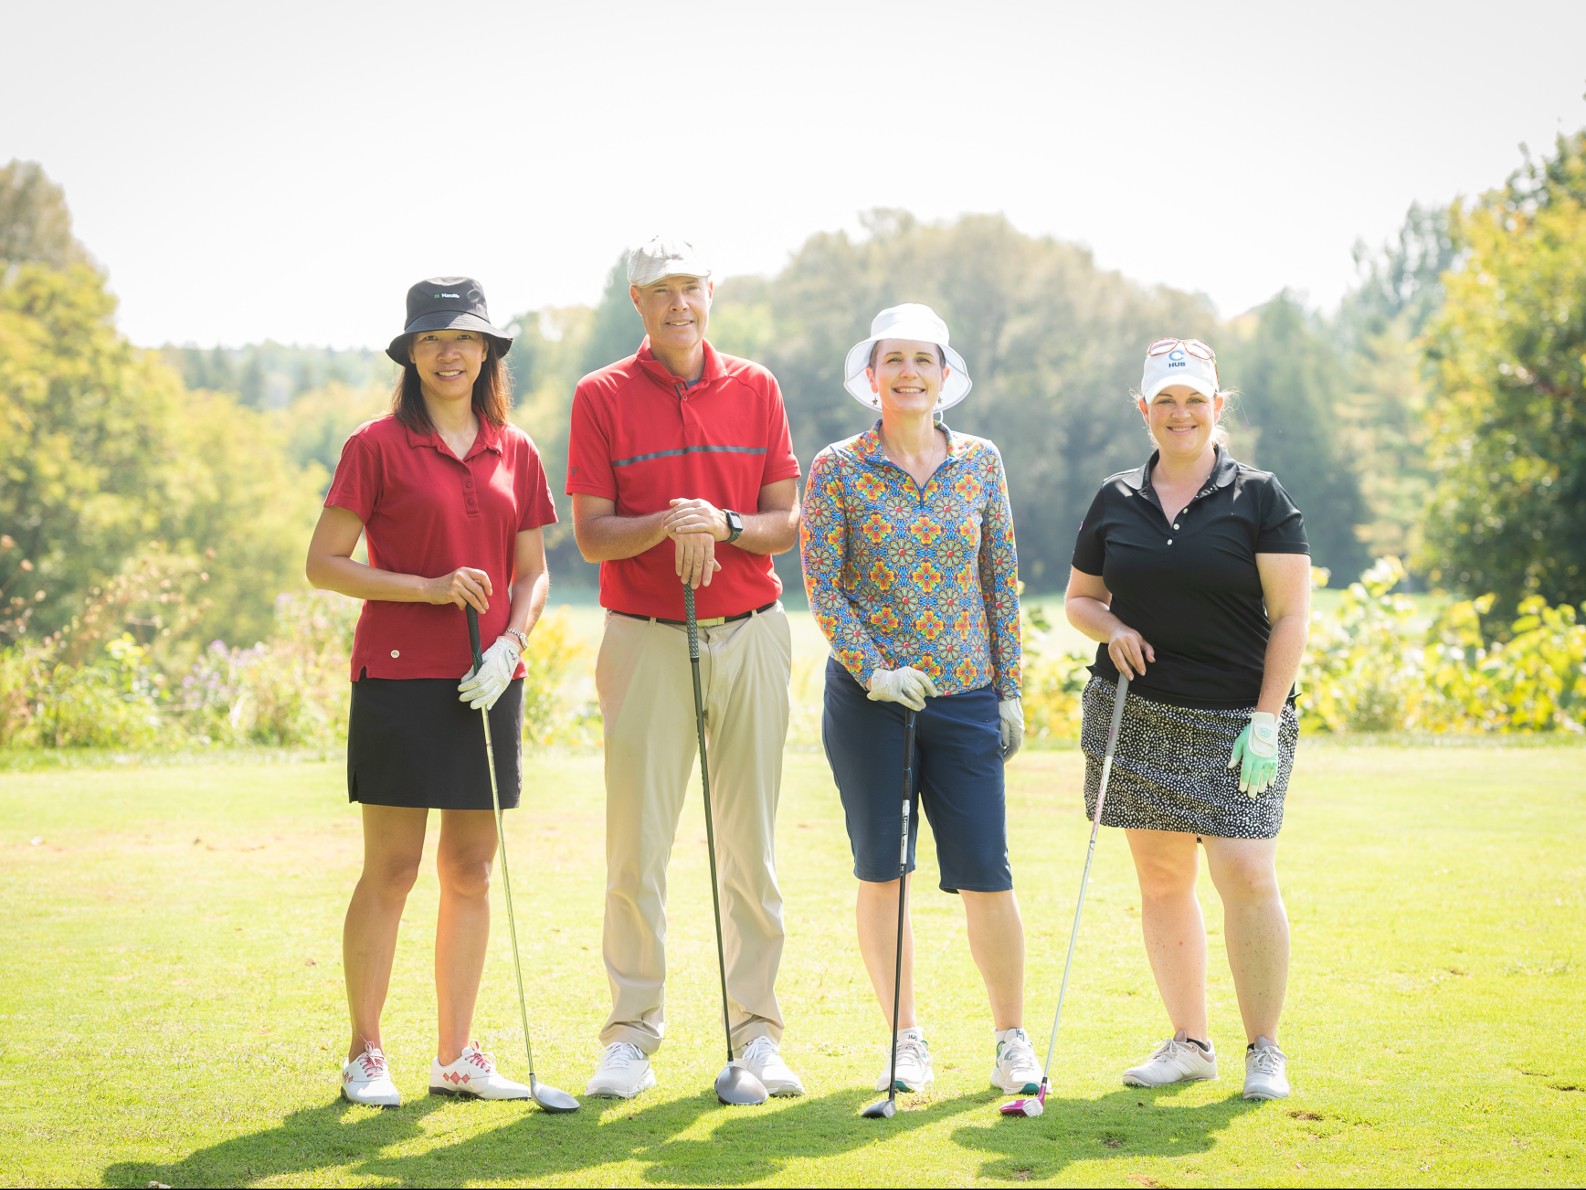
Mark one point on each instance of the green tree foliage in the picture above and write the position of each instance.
(616, 330)
(35, 225)
(316, 425)
(269, 375)
(106, 458)
(1383, 413)
(1509, 428)
(1290, 380)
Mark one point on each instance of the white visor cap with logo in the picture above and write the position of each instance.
(1178, 367)
(663, 257)
(915, 323)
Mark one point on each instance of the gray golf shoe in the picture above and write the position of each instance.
(1176, 1060)
(1266, 1070)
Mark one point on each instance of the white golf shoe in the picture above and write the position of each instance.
(1016, 1071)
(1266, 1070)
(914, 1062)
(1176, 1060)
(763, 1060)
(623, 1072)
(365, 1079)
(474, 1076)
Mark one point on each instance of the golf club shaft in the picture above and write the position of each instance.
(903, 880)
(710, 829)
(501, 842)
(1090, 854)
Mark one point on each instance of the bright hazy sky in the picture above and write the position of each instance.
(285, 170)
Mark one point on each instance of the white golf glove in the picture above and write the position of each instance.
(483, 688)
(911, 687)
(1011, 713)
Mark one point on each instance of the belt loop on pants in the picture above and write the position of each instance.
(706, 622)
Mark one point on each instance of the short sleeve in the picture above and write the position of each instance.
(357, 482)
(537, 507)
(1090, 546)
(780, 461)
(1282, 527)
(589, 470)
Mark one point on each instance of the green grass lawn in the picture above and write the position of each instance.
(171, 1003)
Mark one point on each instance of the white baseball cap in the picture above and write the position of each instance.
(919, 324)
(1179, 361)
(663, 257)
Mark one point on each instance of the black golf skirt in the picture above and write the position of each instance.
(411, 742)
(1170, 771)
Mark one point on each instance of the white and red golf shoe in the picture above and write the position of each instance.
(366, 1079)
(474, 1075)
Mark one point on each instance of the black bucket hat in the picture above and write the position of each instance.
(444, 304)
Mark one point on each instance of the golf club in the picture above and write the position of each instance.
(1033, 1107)
(889, 1106)
(549, 1098)
(734, 1085)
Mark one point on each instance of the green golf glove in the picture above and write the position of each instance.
(1255, 754)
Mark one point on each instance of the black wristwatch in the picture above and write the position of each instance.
(734, 525)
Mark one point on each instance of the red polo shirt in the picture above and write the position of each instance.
(427, 512)
(641, 437)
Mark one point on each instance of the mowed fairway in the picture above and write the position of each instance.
(171, 1005)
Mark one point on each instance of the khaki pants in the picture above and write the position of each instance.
(647, 700)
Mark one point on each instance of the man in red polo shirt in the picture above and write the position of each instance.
(681, 469)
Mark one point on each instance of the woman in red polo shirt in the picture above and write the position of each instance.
(450, 500)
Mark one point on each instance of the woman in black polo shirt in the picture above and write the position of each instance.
(1194, 573)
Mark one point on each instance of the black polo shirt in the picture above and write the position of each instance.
(1191, 588)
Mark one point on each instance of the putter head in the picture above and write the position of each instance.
(884, 1110)
(739, 1087)
(1027, 1107)
(550, 1099)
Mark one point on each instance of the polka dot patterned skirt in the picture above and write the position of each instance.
(1170, 770)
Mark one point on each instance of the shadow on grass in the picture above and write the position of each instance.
(747, 1147)
(1129, 1123)
(744, 1145)
(316, 1137)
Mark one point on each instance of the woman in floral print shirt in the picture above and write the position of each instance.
(910, 566)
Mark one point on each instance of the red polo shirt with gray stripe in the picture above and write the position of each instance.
(642, 437)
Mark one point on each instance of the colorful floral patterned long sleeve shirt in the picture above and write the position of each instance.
(902, 575)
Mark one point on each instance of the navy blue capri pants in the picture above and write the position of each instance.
(957, 779)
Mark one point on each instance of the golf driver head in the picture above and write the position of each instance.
(1029, 1107)
(550, 1099)
(884, 1110)
(739, 1087)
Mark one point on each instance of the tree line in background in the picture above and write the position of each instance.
(1436, 416)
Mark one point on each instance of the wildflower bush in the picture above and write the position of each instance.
(125, 673)
(121, 675)
(1379, 661)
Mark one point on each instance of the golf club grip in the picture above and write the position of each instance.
(909, 721)
(1112, 748)
(1117, 714)
(473, 636)
(693, 624)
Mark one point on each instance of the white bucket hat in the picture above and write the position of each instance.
(917, 323)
